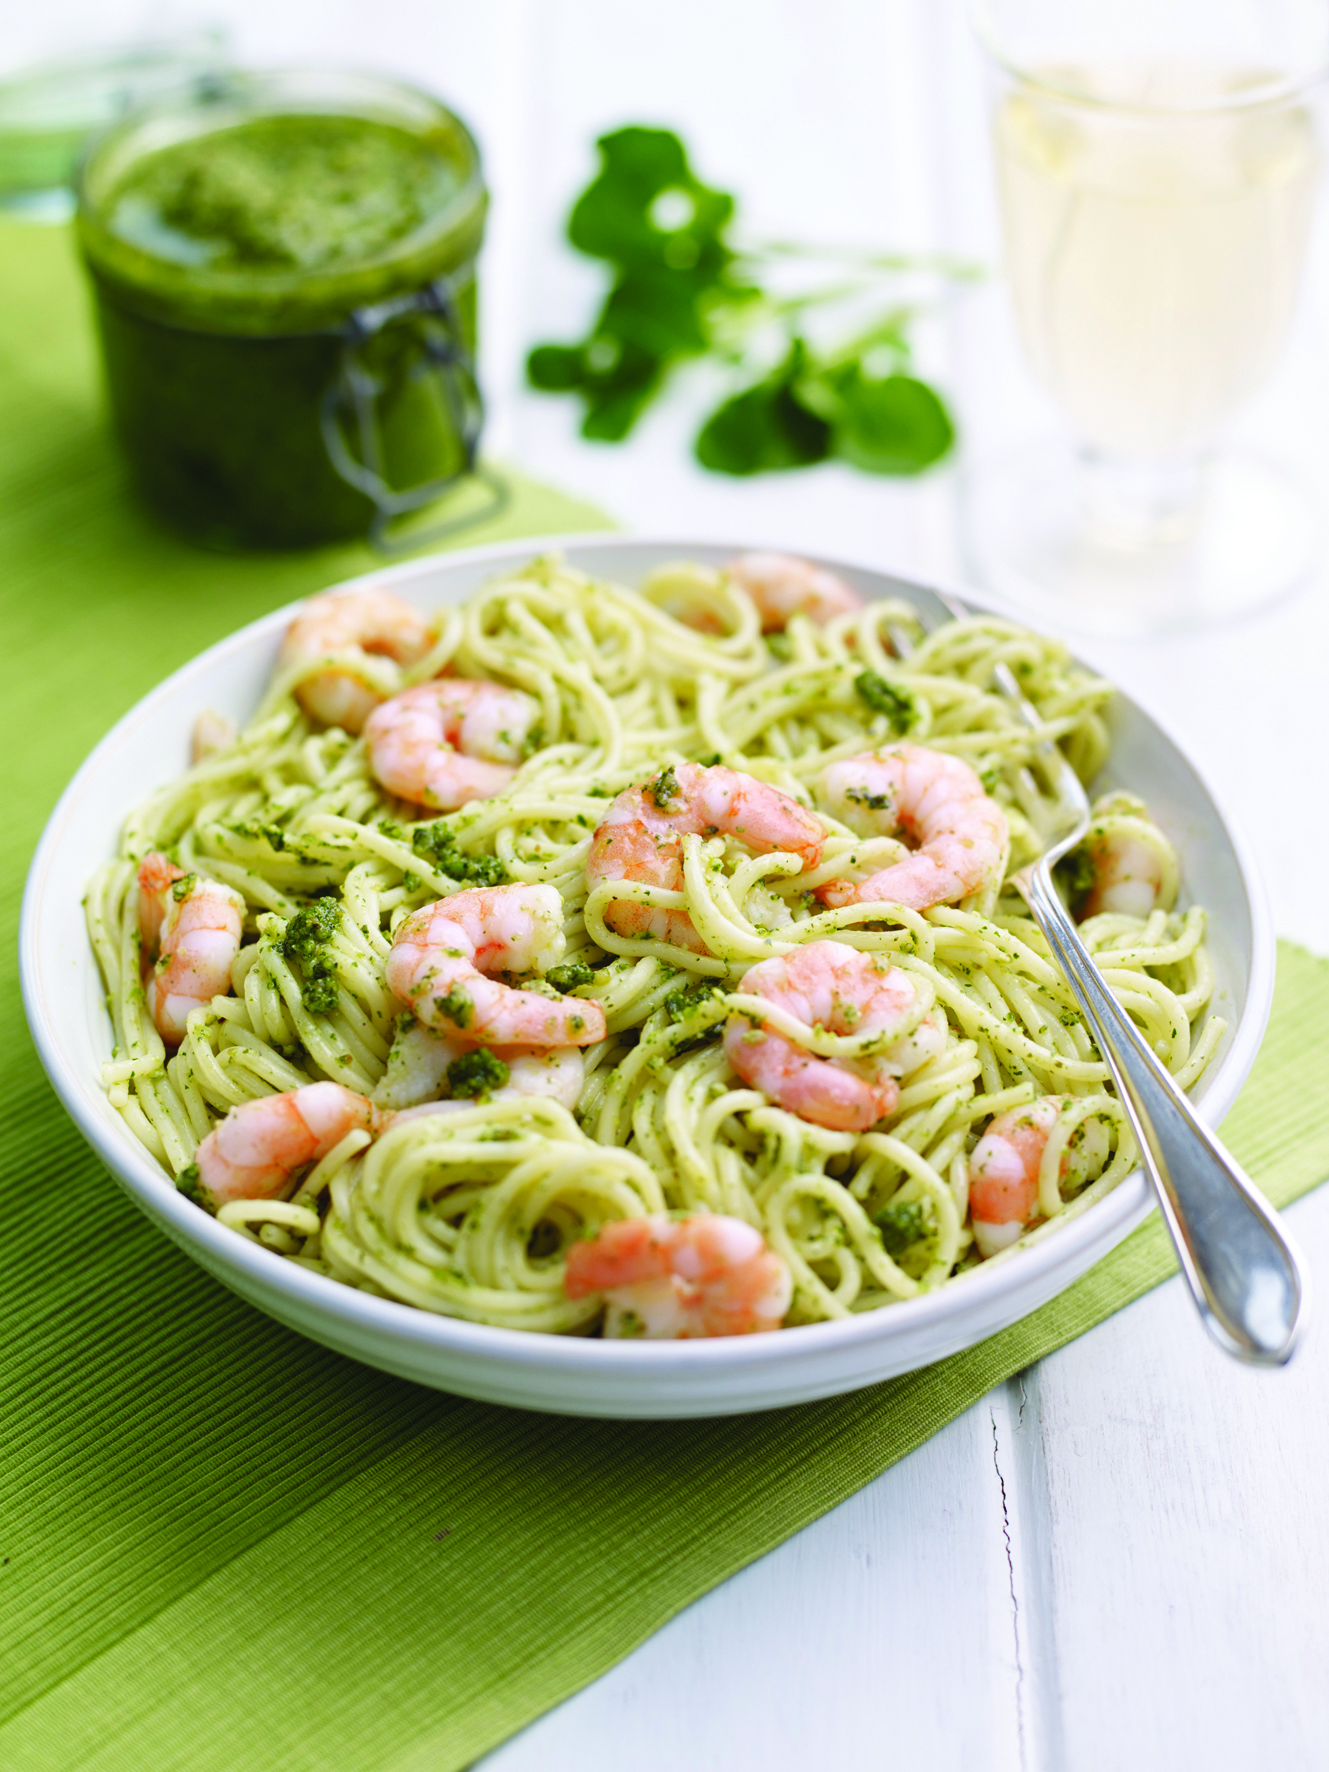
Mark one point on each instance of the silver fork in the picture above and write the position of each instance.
(1244, 1276)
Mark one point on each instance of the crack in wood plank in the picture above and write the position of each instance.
(1011, 1589)
(1014, 1410)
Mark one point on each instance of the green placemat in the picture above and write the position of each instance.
(223, 1549)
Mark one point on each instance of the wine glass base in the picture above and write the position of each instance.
(1027, 535)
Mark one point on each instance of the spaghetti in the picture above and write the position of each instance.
(471, 1212)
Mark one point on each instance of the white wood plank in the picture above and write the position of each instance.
(882, 1635)
(1182, 1594)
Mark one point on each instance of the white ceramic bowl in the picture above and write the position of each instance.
(62, 993)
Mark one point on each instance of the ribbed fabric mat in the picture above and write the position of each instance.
(223, 1549)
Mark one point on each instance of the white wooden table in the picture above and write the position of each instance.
(1121, 1558)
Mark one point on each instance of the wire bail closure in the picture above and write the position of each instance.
(351, 403)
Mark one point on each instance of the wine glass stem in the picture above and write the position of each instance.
(1142, 502)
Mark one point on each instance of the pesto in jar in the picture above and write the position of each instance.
(268, 264)
(282, 193)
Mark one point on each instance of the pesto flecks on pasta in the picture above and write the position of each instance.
(682, 993)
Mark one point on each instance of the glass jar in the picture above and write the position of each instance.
(284, 279)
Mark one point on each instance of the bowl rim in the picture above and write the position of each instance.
(306, 1294)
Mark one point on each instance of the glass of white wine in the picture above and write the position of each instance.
(1157, 162)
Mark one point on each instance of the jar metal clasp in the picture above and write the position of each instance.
(428, 318)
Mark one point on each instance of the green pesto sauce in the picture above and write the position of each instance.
(282, 194)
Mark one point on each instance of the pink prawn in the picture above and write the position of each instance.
(449, 741)
(782, 585)
(354, 625)
(190, 929)
(443, 953)
(960, 832)
(254, 1152)
(641, 838)
(1005, 1163)
(830, 985)
(681, 1279)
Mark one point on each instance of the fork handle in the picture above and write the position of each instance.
(1246, 1280)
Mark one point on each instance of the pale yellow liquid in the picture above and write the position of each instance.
(1153, 259)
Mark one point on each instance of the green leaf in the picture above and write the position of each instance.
(613, 408)
(765, 428)
(896, 425)
(657, 312)
(650, 216)
(614, 378)
(556, 369)
(620, 214)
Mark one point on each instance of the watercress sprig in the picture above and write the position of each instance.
(684, 287)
